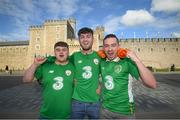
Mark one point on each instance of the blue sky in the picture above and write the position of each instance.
(125, 18)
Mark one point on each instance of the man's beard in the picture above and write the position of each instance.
(86, 49)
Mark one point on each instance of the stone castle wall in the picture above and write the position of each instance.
(157, 53)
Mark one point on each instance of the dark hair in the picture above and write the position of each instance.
(61, 44)
(85, 30)
(111, 36)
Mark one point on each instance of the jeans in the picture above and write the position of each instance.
(80, 110)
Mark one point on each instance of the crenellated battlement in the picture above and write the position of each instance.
(36, 27)
(55, 21)
(99, 28)
(165, 40)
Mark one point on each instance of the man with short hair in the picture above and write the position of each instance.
(117, 75)
(57, 82)
(86, 62)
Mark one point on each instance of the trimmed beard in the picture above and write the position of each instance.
(86, 49)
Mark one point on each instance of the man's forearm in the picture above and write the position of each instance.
(146, 75)
(29, 73)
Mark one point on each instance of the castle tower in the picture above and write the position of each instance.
(98, 37)
(43, 38)
(72, 22)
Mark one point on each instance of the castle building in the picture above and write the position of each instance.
(18, 55)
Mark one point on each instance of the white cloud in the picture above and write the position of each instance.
(85, 9)
(14, 9)
(24, 13)
(20, 12)
(165, 6)
(18, 35)
(69, 7)
(112, 24)
(136, 17)
(57, 8)
(168, 22)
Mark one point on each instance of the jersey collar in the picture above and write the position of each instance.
(117, 59)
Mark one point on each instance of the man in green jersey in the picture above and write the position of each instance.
(57, 82)
(117, 75)
(87, 67)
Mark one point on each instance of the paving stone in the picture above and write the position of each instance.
(27, 98)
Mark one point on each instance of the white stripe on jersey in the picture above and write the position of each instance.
(130, 94)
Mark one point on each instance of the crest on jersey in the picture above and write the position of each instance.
(68, 72)
(117, 68)
(96, 61)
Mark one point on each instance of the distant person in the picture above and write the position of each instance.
(7, 68)
(173, 68)
(10, 72)
(117, 75)
(57, 82)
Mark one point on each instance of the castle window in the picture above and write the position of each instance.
(37, 39)
(57, 35)
(138, 49)
(164, 49)
(37, 47)
(177, 49)
(151, 49)
(57, 28)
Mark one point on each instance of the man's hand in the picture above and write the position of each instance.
(39, 60)
(98, 90)
(133, 56)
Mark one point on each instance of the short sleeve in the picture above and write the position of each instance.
(71, 58)
(51, 59)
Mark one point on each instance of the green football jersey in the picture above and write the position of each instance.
(57, 84)
(117, 85)
(87, 69)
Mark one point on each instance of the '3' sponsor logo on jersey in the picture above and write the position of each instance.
(109, 84)
(87, 72)
(58, 84)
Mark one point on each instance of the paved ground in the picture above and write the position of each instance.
(18, 100)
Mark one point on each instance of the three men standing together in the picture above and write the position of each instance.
(77, 79)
